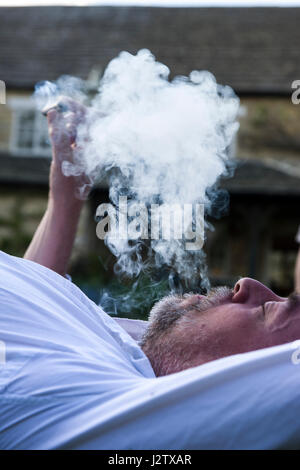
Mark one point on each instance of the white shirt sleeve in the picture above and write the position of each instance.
(74, 379)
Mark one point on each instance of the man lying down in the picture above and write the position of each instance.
(218, 371)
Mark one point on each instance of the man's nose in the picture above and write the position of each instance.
(252, 291)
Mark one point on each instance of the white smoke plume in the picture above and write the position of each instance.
(155, 140)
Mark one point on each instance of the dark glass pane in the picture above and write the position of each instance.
(26, 128)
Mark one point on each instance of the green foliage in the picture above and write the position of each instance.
(133, 299)
(121, 297)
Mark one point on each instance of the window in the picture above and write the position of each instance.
(29, 133)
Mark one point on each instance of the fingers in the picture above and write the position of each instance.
(63, 118)
(63, 129)
(60, 125)
(65, 104)
(62, 133)
(66, 113)
(72, 105)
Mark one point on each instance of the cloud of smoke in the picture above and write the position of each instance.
(48, 93)
(155, 141)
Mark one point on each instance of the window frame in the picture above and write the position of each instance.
(19, 105)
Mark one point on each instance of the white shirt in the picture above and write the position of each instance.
(73, 378)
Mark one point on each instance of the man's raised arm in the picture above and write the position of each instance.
(53, 240)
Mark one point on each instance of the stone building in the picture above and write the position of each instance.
(254, 50)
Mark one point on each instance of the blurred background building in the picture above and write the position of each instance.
(254, 50)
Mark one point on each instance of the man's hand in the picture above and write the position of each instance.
(62, 133)
(53, 240)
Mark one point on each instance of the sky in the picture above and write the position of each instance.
(161, 3)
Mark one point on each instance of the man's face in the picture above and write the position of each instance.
(246, 318)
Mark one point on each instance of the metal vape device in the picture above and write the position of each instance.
(60, 107)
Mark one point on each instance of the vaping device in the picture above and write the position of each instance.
(60, 107)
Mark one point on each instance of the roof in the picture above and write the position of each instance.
(251, 177)
(254, 50)
(255, 177)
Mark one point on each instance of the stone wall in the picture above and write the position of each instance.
(20, 212)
